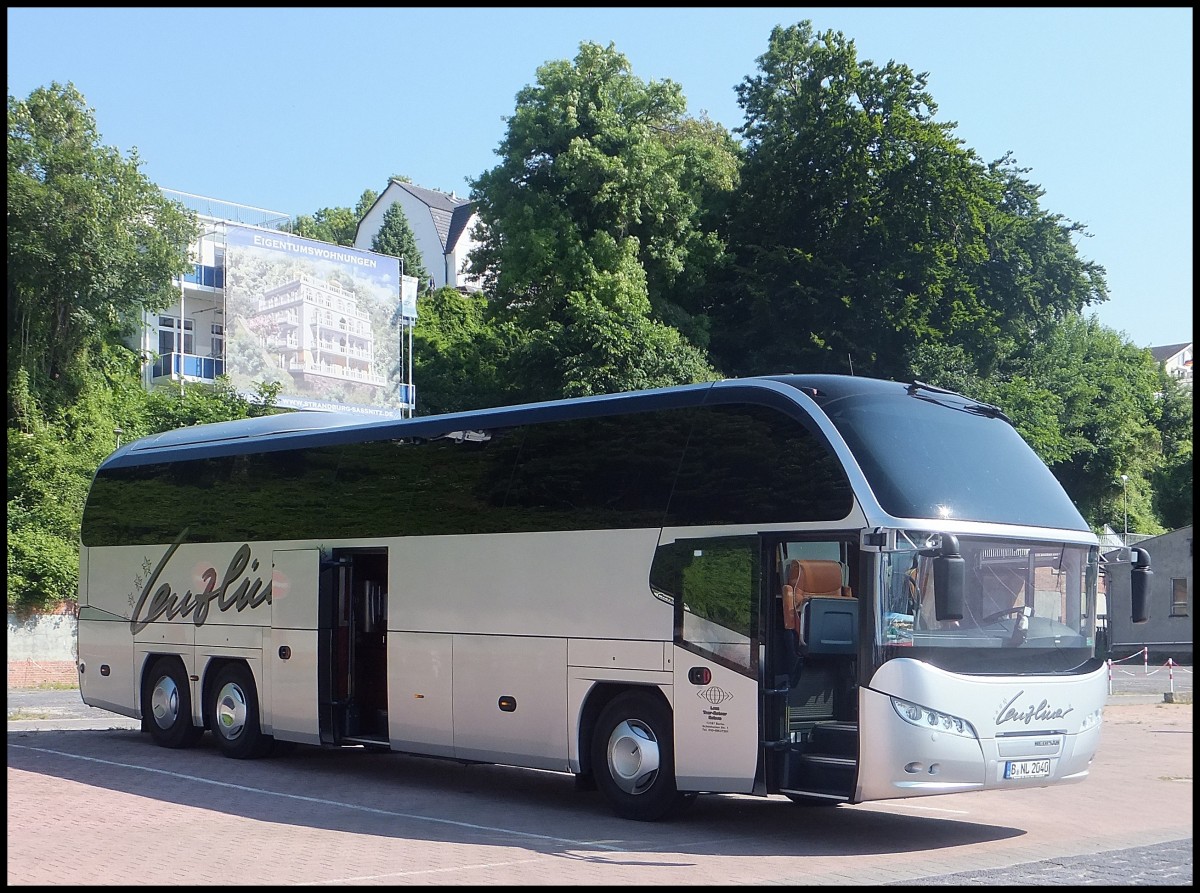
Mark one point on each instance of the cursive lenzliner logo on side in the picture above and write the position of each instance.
(1042, 711)
(165, 602)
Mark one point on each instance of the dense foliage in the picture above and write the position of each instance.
(589, 222)
(335, 225)
(864, 230)
(623, 244)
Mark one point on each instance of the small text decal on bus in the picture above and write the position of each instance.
(714, 716)
(1042, 711)
(166, 602)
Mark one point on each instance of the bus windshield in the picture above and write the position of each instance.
(939, 459)
(1019, 596)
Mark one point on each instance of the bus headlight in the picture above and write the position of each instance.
(933, 720)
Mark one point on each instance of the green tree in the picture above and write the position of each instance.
(395, 239)
(601, 340)
(597, 201)
(171, 408)
(1171, 478)
(864, 230)
(337, 226)
(1173, 485)
(686, 286)
(456, 348)
(48, 477)
(92, 244)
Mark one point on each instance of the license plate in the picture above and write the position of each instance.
(1027, 769)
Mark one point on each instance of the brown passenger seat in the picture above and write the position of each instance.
(804, 578)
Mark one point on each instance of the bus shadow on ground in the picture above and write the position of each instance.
(393, 795)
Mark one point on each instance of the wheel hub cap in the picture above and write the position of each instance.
(633, 756)
(231, 711)
(164, 702)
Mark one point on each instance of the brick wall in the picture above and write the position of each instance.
(30, 673)
(41, 647)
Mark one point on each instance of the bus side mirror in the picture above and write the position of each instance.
(949, 580)
(1139, 585)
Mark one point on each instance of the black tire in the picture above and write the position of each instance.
(233, 714)
(633, 757)
(167, 705)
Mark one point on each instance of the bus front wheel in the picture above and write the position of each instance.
(633, 757)
(167, 705)
(233, 714)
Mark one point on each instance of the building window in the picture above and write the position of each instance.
(218, 340)
(169, 332)
(1179, 601)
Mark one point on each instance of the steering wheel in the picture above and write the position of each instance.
(1007, 612)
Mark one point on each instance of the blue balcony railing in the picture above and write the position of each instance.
(189, 366)
(214, 277)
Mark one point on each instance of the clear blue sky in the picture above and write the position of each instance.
(296, 110)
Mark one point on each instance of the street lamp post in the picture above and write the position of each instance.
(1125, 492)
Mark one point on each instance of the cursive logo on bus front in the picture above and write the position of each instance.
(1041, 712)
(236, 590)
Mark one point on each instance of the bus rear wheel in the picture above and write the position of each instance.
(633, 757)
(233, 714)
(167, 705)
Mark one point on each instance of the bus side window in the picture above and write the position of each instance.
(714, 582)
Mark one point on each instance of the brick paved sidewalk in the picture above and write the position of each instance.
(1160, 865)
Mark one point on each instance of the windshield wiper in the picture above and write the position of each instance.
(975, 406)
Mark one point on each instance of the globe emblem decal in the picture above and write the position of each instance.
(715, 695)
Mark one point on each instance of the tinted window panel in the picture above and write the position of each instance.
(444, 485)
(743, 464)
(155, 503)
(748, 464)
(597, 473)
(713, 582)
(600, 473)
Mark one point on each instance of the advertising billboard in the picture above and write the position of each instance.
(324, 321)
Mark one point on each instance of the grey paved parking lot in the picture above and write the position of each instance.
(139, 814)
(1161, 865)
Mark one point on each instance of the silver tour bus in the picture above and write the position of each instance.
(831, 588)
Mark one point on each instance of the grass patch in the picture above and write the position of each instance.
(19, 715)
(56, 686)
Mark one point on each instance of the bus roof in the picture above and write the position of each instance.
(322, 428)
(319, 427)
